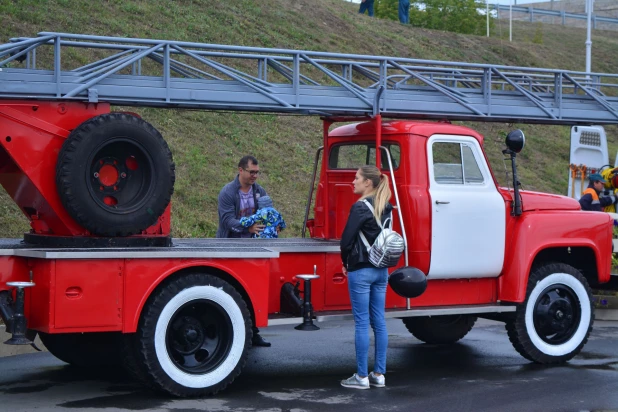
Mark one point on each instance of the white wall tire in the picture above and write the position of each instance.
(554, 322)
(194, 336)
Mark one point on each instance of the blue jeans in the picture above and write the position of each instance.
(367, 288)
(404, 11)
(367, 5)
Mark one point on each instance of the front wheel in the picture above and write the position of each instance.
(193, 337)
(554, 322)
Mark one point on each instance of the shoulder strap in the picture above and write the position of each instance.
(389, 220)
(373, 212)
(362, 235)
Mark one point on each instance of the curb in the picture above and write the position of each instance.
(606, 314)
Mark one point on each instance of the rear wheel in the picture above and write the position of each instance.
(554, 322)
(194, 335)
(84, 349)
(131, 359)
(440, 329)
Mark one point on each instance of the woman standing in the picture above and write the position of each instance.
(366, 283)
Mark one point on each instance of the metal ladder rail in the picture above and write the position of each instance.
(363, 108)
(50, 37)
(285, 70)
(115, 46)
(362, 96)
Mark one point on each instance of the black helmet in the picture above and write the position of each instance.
(408, 282)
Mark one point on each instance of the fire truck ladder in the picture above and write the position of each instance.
(163, 73)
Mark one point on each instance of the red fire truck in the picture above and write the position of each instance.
(99, 278)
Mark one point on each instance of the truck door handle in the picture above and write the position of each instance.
(438, 202)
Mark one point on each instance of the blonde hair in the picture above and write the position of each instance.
(382, 190)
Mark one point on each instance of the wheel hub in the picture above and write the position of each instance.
(199, 337)
(109, 177)
(121, 176)
(560, 315)
(556, 314)
(188, 335)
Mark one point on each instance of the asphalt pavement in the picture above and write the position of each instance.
(302, 370)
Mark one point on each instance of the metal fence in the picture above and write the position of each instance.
(563, 16)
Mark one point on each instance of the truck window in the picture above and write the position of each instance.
(353, 156)
(454, 163)
(472, 171)
(447, 165)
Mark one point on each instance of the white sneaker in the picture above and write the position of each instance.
(377, 381)
(355, 382)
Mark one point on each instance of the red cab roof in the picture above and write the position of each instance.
(426, 129)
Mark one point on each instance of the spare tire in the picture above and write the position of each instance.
(115, 175)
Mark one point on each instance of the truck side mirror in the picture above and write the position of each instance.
(515, 141)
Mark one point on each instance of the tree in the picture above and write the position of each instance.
(387, 9)
(461, 16)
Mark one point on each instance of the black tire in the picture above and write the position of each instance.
(115, 175)
(440, 329)
(554, 322)
(131, 360)
(85, 349)
(193, 336)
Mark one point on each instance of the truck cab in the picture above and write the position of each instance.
(482, 258)
(449, 197)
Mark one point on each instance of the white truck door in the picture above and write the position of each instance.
(468, 214)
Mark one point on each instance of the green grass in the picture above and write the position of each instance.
(207, 145)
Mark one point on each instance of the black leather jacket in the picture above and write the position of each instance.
(353, 251)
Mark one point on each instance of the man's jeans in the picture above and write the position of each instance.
(367, 288)
(404, 11)
(367, 5)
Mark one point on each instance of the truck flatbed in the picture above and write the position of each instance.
(181, 248)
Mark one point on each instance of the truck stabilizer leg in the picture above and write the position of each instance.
(307, 306)
(18, 326)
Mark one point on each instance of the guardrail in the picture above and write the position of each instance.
(532, 11)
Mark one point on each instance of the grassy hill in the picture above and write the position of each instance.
(207, 145)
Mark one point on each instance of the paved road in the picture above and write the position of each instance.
(301, 372)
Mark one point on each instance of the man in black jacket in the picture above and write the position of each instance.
(239, 199)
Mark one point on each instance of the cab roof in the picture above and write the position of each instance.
(425, 129)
